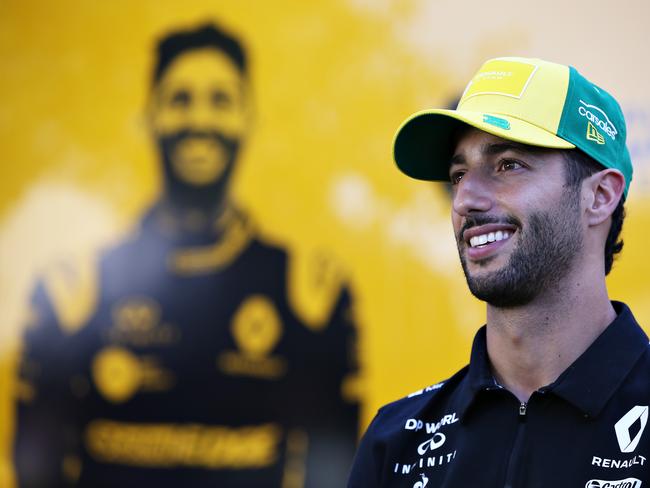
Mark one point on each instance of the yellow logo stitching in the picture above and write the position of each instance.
(594, 135)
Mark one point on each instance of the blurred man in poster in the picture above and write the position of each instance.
(195, 357)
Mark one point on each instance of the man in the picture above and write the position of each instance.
(557, 389)
(198, 361)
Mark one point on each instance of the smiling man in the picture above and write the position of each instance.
(557, 389)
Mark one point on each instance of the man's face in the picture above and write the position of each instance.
(518, 226)
(199, 116)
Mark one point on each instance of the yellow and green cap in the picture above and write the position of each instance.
(530, 101)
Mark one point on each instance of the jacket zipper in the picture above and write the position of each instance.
(515, 453)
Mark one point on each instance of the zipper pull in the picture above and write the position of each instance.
(522, 409)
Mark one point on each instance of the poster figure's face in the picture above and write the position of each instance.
(199, 116)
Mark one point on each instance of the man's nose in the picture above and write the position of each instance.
(201, 115)
(473, 194)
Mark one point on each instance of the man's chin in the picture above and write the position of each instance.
(199, 173)
(483, 265)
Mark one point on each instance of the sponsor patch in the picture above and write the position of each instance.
(501, 77)
(496, 121)
(626, 483)
(609, 463)
(630, 428)
(598, 118)
(424, 481)
(427, 389)
(594, 135)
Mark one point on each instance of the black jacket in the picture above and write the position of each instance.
(587, 429)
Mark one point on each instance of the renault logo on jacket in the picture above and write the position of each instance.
(636, 418)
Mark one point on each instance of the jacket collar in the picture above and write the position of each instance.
(589, 382)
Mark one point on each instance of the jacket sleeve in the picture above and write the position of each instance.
(42, 426)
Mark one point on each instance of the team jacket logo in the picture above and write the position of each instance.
(138, 322)
(437, 386)
(422, 483)
(429, 452)
(119, 374)
(432, 444)
(626, 483)
(256, 329)
(630, 428)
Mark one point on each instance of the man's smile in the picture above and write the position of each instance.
(483, 241)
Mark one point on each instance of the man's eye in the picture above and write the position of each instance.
(221, 99)
(181, 98)
(509, 165)
(456, 177)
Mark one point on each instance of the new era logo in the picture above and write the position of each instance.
(594, 135)
(630, 428)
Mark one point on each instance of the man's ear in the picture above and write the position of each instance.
(605, 191)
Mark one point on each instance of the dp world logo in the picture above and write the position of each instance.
(630, 428)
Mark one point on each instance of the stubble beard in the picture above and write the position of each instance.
(546, 251)
(185, 194)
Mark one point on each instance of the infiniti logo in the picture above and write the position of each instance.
(432, 444)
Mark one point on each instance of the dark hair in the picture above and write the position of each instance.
(580, 166)
(206, 36)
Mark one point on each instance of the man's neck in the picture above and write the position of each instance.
(195, 216)
(531, 345)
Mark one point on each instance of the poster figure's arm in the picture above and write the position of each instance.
(320, 297)
(45, 443)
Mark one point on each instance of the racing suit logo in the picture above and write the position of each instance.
(256, 329)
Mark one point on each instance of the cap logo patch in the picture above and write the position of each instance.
(599, 118)
(496, 121)
(594, 135)
(501, 77)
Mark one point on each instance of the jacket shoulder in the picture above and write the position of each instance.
(397, 413)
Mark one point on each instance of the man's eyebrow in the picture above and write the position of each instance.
(501, 147)
(495, 148)
(456, 159)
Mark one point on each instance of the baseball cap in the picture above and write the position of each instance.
(530, 101)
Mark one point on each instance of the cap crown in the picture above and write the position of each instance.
(594, 122)
(531, 101)
(555, 98)
(528, 89)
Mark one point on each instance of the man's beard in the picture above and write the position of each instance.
(546, 249)
(185, 193)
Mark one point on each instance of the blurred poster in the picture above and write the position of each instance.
(98, 164)
(181, 358)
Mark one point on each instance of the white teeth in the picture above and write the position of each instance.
(489, 237)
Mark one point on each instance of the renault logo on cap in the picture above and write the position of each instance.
(630, 428)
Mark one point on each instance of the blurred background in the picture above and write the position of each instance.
(326, 85)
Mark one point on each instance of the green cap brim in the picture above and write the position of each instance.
(424, 143)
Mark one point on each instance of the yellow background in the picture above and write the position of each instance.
(331, 80)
